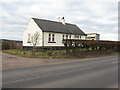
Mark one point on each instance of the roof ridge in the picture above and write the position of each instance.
(52, 21)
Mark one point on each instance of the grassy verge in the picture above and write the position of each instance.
(56, 54)
(39, 54)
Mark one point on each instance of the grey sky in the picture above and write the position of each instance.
(92, 16)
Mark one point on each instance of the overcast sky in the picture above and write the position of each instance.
(92, 16)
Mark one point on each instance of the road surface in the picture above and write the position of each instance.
(92, 73)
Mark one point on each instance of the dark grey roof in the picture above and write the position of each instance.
(52, 26)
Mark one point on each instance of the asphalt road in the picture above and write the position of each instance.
(91, 73)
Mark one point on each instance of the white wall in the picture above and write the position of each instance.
(57, 39)
(31, 28)
(83, 37)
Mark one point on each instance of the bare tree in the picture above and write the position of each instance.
(35, 38)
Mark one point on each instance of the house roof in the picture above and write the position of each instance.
(58, 27)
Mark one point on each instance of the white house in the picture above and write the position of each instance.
(52, 33)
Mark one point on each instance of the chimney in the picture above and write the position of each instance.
(62, 20)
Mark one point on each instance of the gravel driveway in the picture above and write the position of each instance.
(12, 61)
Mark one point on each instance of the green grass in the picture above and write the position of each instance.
(115, 53)
(28, 53)
(59, 54)
(23, 53)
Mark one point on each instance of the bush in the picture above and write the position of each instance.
(11, 44)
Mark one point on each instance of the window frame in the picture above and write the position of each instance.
(29, 38)
(66, 36)
(51, 38)
(63, 36)
(69, 36)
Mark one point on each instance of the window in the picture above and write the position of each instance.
(92, 37)
(69, 36)
(29, 38)
(53, 37)
(80, 37)
(63, 36)
(76, 36)
(49, 38)
(66, 36)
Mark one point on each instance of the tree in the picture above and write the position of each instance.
(35, 38)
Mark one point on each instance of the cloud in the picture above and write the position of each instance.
(12, 36)
(65, 0)
(112, 37)
(90, 16)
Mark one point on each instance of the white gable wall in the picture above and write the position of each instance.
(31, 28)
